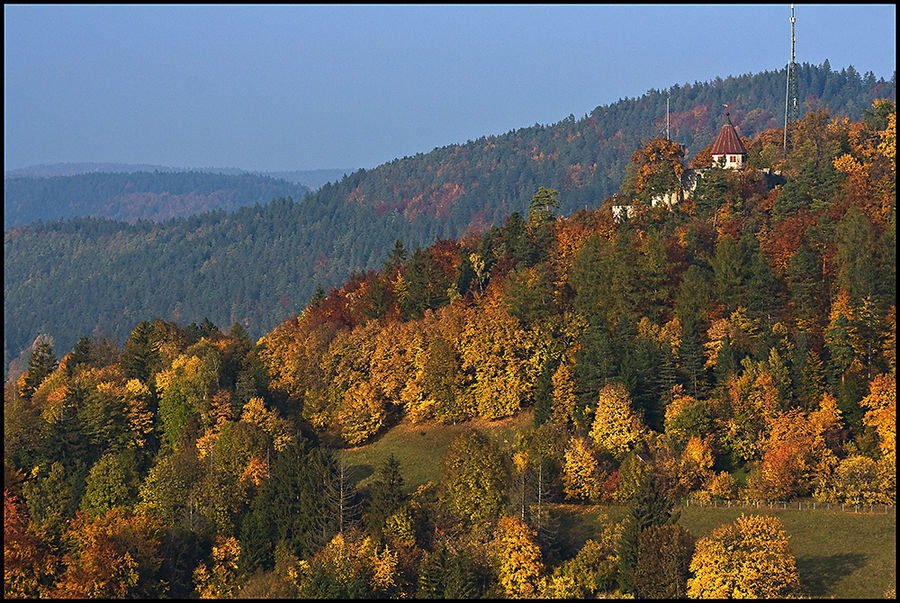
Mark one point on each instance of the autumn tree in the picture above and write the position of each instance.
(351, 566)
(583, 474)
(500, 354)
(616, 428)
(591, 572)
(518, 558)
(472, 477)
(882, 414)
(657, 169)
(29, 566)
(221, 579)
(749, 558)
(115, 555)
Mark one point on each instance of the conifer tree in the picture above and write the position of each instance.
(649, 507)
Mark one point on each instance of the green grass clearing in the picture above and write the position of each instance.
(419, 448)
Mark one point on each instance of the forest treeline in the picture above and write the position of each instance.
(260, 264)
(129, 197)
(741, 345)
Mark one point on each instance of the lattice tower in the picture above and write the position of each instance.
(791, 104)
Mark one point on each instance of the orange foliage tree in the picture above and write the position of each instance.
(29, 568)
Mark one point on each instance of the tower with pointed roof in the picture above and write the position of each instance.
(728, 150)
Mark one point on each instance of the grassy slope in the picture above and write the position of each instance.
(419, 448)
(841, 555)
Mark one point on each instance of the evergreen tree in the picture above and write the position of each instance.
(648, 507)
(386, 495)
(140, 354)
(42, 363)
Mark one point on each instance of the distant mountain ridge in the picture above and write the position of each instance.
(129, 193)
(313, 179)
(141, 195)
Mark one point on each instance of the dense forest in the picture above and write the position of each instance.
(738, 346)
(129, 197)
(260, 264)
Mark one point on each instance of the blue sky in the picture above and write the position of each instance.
(346, 86)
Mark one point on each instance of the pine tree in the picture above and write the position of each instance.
(42, 363)
(649, 507)
(386, 495)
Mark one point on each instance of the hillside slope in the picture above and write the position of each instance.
(259, 265)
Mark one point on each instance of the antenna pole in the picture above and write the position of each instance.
(791, 79)
(667, 116)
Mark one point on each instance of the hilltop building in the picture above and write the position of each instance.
(728, 150)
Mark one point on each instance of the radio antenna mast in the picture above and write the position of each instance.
(790, 95)
(667, 115)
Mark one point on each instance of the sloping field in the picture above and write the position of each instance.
(419, 448)
(840, 555)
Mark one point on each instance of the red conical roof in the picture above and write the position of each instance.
(728, 142)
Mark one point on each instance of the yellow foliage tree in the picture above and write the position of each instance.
(256, 413)
(858, 480)
(582, 476)
(616, 428)
(500, 354)
(695, 467)
(362, 412)
(564, 398)
(747, 559)
(518, 558)
(882, 414)
(350, 566)
(222, 580)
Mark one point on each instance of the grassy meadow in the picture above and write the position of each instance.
(839, 555)
(419, 448)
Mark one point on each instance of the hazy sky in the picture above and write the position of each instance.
(347, 86)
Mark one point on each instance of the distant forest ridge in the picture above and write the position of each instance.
(261, 264)
(313, 179)
(129, 193)
(129, 197)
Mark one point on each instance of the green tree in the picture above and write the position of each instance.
(140, 356)
(649, 507)
(663, 563)
(544, 205)
(112, 482)
(40, 365)
(446, 574)
(472, 477)
(386, 495)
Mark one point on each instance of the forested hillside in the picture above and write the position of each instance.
(129, 197)
(738, 346)
(259, 265)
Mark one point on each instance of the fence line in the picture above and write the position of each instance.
(797, 505)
